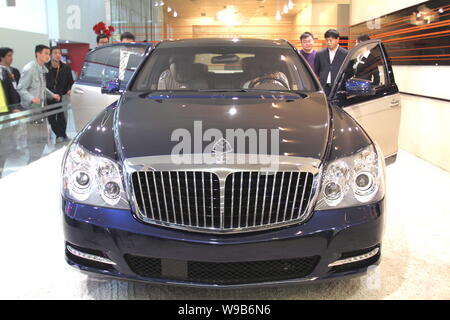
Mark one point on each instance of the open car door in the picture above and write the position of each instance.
(101, 65)
(365, 88)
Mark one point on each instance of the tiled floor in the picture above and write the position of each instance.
(415, 263)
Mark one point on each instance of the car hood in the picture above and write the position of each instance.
(146, 125)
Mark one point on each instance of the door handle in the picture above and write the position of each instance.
(395, 103)
(78, 91)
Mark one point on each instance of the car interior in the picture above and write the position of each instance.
(224, 72)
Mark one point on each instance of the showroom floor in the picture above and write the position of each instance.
(415, 264)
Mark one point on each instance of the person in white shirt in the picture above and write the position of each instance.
(329, 60)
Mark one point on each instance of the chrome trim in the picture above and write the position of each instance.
(281, 196)
(240, 203)
(264, 199)
(256, 200)
(150, 198)
(164, 195)
(173, 200)
(165, 163)
(179, 194)
(295, 195)
(88, 256)
(354, 259)
(212, 200)
(303, 198)
(196, 200)
(288, 194)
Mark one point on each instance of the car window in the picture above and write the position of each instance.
(367, 63)
(104, 64)
(224, 67)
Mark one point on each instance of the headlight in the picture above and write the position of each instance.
(352, 181)
(93, 180)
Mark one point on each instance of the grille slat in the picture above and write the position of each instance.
(288, 194)
(303, 197)
(271, 198)
(252, 200)
(188, 201)
(295, 196)
(280, 197)
(196, 204)
(142, 194)
(149, 196)
(256, 199)
(180, 200)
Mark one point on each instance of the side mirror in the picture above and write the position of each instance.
(359, 87)
(111, 87)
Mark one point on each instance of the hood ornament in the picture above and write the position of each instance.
(220, 150)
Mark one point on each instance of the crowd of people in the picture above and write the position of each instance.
(43, 82)
(46, 79)
(326, 62)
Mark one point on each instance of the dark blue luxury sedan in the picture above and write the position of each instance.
(223, 164)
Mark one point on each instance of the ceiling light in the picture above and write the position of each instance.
(229, 16)
(278, 16)
(290, 4)
(285, 9)
(175, 14)
(169, 9)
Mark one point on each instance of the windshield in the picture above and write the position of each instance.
(224, 69)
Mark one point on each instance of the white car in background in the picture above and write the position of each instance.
(102, 65)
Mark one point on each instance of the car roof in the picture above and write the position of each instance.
(203, 42)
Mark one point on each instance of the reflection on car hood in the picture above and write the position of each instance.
(145, 123)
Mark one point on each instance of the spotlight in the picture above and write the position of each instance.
(278, 16)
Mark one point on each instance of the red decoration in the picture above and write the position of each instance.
(100, 28)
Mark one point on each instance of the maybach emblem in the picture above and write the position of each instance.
(220, 149)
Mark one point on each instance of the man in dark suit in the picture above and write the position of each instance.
(329, 60)
(366, 64)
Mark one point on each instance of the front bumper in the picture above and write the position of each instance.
(328, 236)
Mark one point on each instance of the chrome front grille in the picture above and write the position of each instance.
(255, 199)
(238, 202)
(190, 199)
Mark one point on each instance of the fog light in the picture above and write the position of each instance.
(365, 256)
(88, 256)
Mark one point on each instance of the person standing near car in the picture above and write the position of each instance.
(329, 60)
(9, 101)
(308, 52)
(59, 80)
(6, 60)
(102, 40)
(32, 86)
(127, 37)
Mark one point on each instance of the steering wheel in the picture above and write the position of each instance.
(265, 79)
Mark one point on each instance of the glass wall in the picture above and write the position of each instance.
(143, 18)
